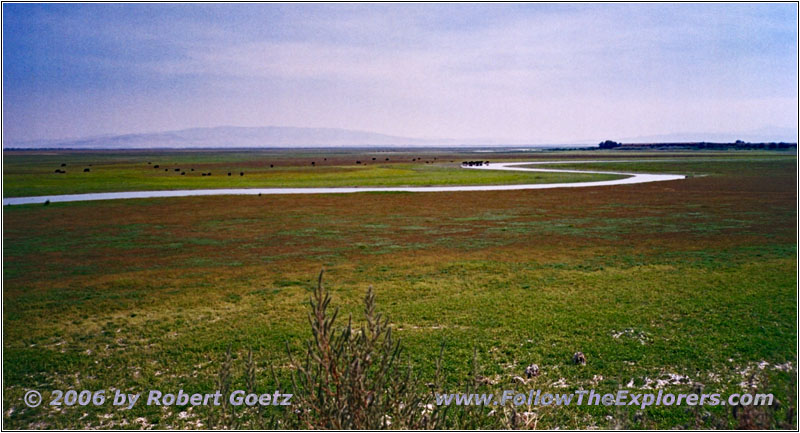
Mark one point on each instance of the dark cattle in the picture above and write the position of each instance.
(229, 173)
(413, 159)
(155, 166)
(183, 173)
(358, 162)
(192, 169)
(203, 174)
(148, 162)
(166, 169)
(313, 163)
(373, 159)
(177, 169)
(270, 166)
(208, 174)
(46, 202)
(241, 173)
(63, 164)
(59, 171)
(324, 159)
(387, 159)
(86, 170)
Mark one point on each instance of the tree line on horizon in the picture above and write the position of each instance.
(738, 144)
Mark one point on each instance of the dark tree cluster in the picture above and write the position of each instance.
(608, 144)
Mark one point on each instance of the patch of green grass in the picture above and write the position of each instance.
(694, 165)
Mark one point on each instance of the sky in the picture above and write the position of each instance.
(540, 73)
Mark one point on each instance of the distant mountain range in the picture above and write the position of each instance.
(237, 137)
(292, 137)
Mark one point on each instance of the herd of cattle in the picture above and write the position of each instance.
(157, 166)
(183, 173)
(60, 171)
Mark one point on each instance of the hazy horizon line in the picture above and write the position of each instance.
(475, 141)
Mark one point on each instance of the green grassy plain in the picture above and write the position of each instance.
(33, 173)
(692, 282)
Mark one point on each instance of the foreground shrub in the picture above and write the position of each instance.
(352, 378)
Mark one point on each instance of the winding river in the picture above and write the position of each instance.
(630, 178)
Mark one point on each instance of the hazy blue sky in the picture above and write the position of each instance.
(545, 73)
